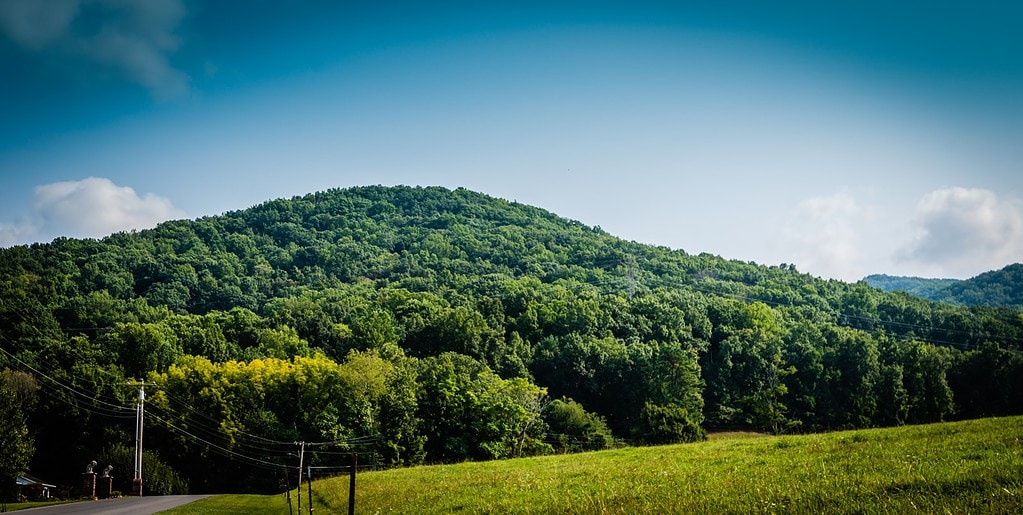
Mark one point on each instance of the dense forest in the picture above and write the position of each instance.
(1000, 288)
(424, 325)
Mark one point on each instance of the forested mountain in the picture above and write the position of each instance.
(999, 288)
(428, 325)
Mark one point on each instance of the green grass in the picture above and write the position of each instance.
(14, 506)
(973, 466)
(231, 504)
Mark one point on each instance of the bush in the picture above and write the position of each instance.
(573, 429)
(669, 423)
(158, 478)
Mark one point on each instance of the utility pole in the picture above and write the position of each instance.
(140, 411)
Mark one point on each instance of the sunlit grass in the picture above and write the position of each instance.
(963, 467)
(231, 504)
(974, 466)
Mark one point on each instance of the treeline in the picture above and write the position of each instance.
(419, 325)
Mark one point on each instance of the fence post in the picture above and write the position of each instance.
(301, 456)
(351, 485)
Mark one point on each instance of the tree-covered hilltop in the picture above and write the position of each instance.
(998, 288)
(429, 325)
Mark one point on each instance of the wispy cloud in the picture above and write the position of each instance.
(826, 234)
(35, 25)
(966, 231)
(132, 37)
(14, 233)
(89, 208)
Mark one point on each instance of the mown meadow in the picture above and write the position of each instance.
(961, 467)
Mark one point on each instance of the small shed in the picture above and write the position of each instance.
(33, 488)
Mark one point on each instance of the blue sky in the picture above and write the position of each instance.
(847, 138)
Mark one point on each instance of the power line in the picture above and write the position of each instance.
(97, 406)
(103, 408)
(224, 451)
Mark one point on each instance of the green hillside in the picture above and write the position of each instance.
(424, 325)
(998, 288)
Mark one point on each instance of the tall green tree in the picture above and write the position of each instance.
(17, 394)
(468, 411)
(851, 362)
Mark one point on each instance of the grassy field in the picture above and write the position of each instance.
(973, 466)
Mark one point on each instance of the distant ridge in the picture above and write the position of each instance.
(919, 286)
(998, 288)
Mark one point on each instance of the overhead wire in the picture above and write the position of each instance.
(219, 449)
(251, 440)
(121, 411)
(96, 406)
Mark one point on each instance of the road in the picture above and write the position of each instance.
(122, 506)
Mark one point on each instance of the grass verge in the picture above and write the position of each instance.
(14, 506)
(233, 504)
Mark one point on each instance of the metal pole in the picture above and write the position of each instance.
(309, 476)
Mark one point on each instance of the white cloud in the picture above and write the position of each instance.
(13, 233)
(953, 232)
(89, 208)
(133, 37)
(826, 236)
(965, 232)
(96, 207)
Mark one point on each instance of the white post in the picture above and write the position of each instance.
(138, 438)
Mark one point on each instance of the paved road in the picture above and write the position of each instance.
(122, 506)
